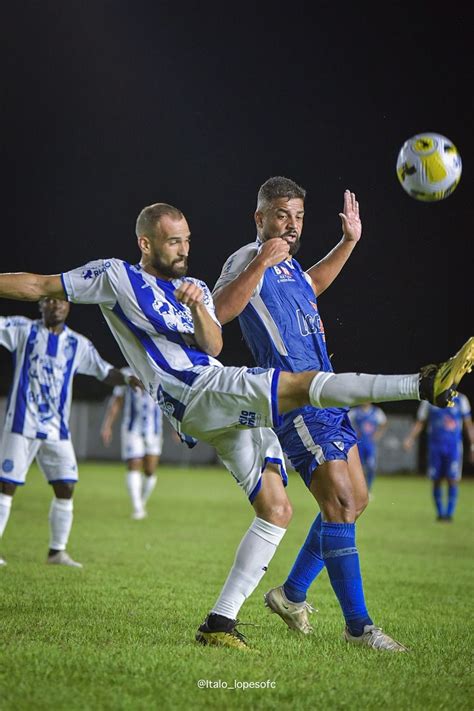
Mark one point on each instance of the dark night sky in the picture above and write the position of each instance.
(110, 106)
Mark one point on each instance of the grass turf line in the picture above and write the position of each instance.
(120, 633)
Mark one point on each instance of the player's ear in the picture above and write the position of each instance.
(259, 219)
(144, 244)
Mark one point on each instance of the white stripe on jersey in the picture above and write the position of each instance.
(270, 325)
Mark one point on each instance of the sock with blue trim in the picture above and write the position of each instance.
(342, 562)
(438, 498)
(307, 565)
(453, 491)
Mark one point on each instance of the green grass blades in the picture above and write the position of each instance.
(119, 634)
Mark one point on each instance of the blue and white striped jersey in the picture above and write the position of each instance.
(281, 323)
(45, 364)
(444, 424)
(140, 414)
(155, 332)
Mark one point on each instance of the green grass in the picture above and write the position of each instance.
(120, 633)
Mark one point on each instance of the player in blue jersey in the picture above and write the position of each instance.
(444, 429)
(141, 436)
(275, 301)
(166, 327)
(47, 355)
(370, 423)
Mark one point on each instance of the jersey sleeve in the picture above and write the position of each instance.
(11, 330)
(208, 301)
(91, 283)
(91, 363)
(235, 265)
(423, 410)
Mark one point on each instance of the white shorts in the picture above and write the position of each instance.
(56, 459)
(233, 410)
(136, 446)
(231, 397)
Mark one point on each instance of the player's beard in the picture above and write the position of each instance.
(178, 268)
(294, 246)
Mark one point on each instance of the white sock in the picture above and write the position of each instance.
(253, 555)
(347, 389)
(148, 484)
(5, 508)
(60, 522)
(134, 486)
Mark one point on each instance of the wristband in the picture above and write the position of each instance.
(126, 375)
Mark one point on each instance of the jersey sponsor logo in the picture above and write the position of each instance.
(283, 273)
(247, 418)
(91, 273)
(7, 466)
(309, 323)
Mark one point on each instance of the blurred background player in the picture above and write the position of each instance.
(444, 429)
(370, 423)
(141, 440)
(47, 355)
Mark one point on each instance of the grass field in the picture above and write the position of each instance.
(119, 634)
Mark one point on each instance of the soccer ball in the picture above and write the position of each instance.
(429, 167)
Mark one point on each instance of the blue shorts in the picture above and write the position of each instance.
(367, 452)
(311, 436)
(445, 461)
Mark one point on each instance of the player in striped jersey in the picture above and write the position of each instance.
(47, 354)
(166, 327)
(444, 428)
(141, 440)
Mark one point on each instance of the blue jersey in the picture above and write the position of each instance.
(281, 323)
(283, 329)
(444, 424)
(366, 422)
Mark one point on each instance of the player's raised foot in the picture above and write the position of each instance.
(377, 639)
(63, 558)
(438, 383)
(139, 515)
(2, 561)
(220, 631)
(294, 614)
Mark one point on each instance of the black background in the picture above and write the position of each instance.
(109, 106)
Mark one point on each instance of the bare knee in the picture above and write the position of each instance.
(7, 488)
(277, 512)
(63, 489)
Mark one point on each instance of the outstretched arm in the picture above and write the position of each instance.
(24, 286)
(207, 333)
(113, 408)
(326, 270)
(232, 299)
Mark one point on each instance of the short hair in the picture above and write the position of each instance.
(152, 214)
(278, 187)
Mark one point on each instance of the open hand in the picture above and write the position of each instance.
(351, 224)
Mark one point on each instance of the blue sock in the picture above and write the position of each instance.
(307, 565)
(453, 491)
(342, 563)
(438, 498)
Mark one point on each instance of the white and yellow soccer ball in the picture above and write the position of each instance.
(429, 167)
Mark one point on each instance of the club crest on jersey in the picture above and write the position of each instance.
(175, 320)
